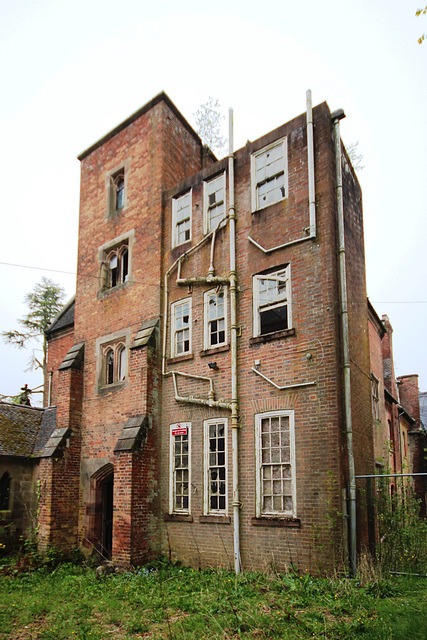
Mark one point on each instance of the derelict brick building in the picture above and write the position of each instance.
(202, 403)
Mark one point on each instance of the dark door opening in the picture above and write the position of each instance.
(107, 516)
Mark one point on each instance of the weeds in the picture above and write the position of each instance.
(171, 602)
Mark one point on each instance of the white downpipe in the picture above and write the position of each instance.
(346, 346)
(233, 351)
(310, 153)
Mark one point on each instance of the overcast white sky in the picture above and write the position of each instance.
(71, 71)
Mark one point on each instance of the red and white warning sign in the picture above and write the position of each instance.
(179, 429)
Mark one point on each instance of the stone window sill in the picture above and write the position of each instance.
(211, 352)
(183, 358)
(265, 521)
(212, 519)
(106, 292)
(268, 337)
(177, 517)
(110, 388)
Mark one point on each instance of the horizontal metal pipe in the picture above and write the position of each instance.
(288, 386)
(280, 246)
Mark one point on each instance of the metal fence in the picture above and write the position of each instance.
(397, 523)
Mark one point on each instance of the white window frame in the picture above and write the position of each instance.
(172, 483)
(174, 329)
(276, 275)
(256, 205)
(206, 466)
(175, 202)
(259, 495)
(206, 208)
(206, 332)
(375, 397)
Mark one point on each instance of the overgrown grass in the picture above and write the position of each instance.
(174, 602)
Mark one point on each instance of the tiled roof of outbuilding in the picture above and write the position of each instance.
(24, 430)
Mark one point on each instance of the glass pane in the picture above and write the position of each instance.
(268, 504)
(122, 364)
(277, 503)
(274, 319)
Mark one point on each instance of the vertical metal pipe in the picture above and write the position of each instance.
(233, 350)
(345, 345)
(49, 397)
(310, 158)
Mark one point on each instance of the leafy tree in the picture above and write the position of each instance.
(208, 120)
(43, 302)
(418, 13)
(356, 158)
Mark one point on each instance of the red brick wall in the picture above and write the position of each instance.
(320, 468)
(60, 474)
(157, 149)
(361, 407)
(409, 396)
(58, 348)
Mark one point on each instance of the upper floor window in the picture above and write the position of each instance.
(114, 362)
(215, 318)
(117, 191)
(275, 462)
(115, 260)
(269, 177)
(214, 202)
(375, 397)
(272, 304)
(181, 219)
(117, 266)
(181, 327)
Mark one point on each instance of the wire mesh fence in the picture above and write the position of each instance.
(397, 521)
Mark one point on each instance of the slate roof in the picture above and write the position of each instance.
(24, 431)
(64, 318)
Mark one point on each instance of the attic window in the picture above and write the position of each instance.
(269, 175)
(214, 202)
(181, 219)
(117, 191)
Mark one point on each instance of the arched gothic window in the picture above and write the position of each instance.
(114, 363)
(117, 266)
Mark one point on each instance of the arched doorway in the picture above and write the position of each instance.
(100, 524)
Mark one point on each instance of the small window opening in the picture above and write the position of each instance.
(110, 367)
(5, 491)
(120, 192)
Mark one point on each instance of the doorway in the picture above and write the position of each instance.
(107, 516)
